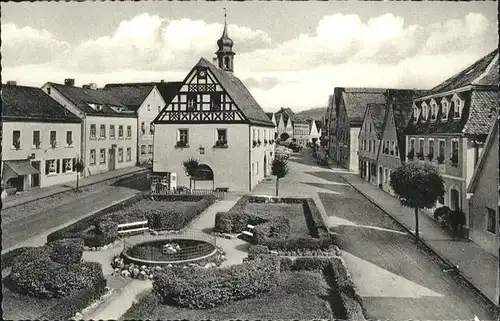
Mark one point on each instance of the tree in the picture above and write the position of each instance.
(191, 169)
(280, 169)
(79, 167)
(417, 185)
(284, 136)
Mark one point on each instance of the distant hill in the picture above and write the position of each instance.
(313, 113)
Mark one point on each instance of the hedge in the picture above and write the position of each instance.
(207, 288)
(300, 243)
(66, 251)
(105, 224)
(9, 257)
(145, 305)
(318, 227)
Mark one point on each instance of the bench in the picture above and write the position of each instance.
(222, 189)
(248, 231)
(133, 227)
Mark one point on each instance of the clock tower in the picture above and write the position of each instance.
(225, 54)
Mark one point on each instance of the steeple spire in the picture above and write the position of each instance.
(225, 53)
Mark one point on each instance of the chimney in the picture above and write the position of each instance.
(162, 81)
(69, 82)
(93, 86)
(12, 83)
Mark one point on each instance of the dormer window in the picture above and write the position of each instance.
(434, 110)
(457, 104)
(425, 111)
(446, 107)
(415, 112)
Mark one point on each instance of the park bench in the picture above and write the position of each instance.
(248, 231)
(133, 227)
(222, 189)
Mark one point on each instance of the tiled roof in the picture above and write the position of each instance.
(471, 75)
(377, 112)
(270, 115)
(482, 112)
(82, 97)
(298, 119)
(356, 100)
(31, 103)
(402, 114)
(239, 93)
(130, 95)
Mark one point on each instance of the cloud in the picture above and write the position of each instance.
(29, 46)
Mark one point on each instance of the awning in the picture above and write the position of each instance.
(20, 167)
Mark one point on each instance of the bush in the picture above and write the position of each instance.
(314, 219)
(75, 302)
(311, 263)
(207, 288)
(9, 257)
(44, 278)
(31, 255)
(223, 223)
(286, 264)
(66, 251)
(145, 305)
(441, 212)
(300, 243)
(256, 251)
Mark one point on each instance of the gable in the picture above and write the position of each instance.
(201, 98)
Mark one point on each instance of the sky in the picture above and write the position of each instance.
(289, 54)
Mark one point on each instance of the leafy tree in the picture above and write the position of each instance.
(417, 185)
(280, 169)
(79, 167)
(284, 136)
(191, 169)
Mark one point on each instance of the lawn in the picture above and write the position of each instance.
(294, 212)
(300, 295)
(22, 307)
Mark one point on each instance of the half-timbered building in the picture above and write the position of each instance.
(214, 119)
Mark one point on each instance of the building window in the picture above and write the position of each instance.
(48, 90)
(120, 155)
(150, 149)
(67, 165)
(102, 131)
(445, 104)
(112, 131)
(151, 128)
(149, 107)
(51, 166)
(129, 154)
(412, 144)
(222, 135)
(421, 146)
(143, 128)
(393, 147)
(415, 113)
(386, 175)
(92, 157)
(442, 148)
(431, 147)
(456, 107)
(53, 137)
(69, 138)
(92, 131)
(183, 136)
(143, 149)
(36, 138)
(102, 156)
(215, 101)
(129, 131)
(491, 220)
(120, 131)
(191, 101)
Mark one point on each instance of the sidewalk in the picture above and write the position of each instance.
(471, 259)
(43, 192)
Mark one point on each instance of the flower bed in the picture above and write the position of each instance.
(163, 212)
(142, 272)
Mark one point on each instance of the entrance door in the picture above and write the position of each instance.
(454, 200)
(380, 178)
(35, 178)
(112, 159)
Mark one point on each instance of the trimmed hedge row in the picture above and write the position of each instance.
(318, 227)
(101, 228)
(66, 251)
(9, 257)
(300, 243)
(273, 199)
(235, 222)
(207, 288)
(35, 274)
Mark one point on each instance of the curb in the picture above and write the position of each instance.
(69, 189)
(428, 247)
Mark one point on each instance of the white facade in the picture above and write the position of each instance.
(148, 111)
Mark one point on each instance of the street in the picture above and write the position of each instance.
(397, 279)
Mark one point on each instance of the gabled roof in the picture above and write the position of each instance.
(356, 100)
(82, 97)
(32, 104)
(298, 119)
(270, 115)
(377, 112)
(492, 136)
(168, 89)
(285, 113)
(239, 94)
(483, 72)
(131, 95)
